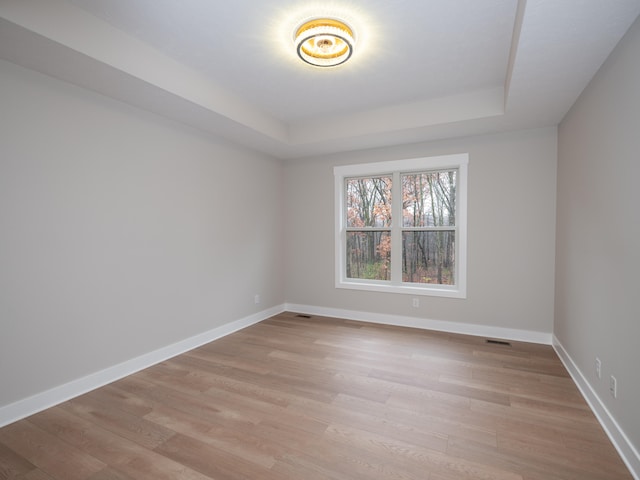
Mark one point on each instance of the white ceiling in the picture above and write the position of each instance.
(422, 69)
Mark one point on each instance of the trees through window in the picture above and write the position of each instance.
(401, 225)
(369, 227)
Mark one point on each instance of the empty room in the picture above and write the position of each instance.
(319, 240)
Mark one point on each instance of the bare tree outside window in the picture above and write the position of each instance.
(428, 227)
(369, 227)
(428, 235)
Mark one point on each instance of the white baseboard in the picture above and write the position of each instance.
(621, 442)
(426, 324)
(54, 396)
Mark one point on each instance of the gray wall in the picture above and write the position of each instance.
(121, 232)
(511, 233)
(598, 232)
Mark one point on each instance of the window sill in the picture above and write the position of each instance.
(406, 289)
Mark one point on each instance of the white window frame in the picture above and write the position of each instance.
(395, 168)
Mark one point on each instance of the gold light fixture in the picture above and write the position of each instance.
(324, 42)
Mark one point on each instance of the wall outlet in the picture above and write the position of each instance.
(256, 298)
(613, 386)
(415, 302)
(598, 368)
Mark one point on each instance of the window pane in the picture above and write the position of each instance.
(369, 202)
(369, 255)
(428, 257)
(429, 199)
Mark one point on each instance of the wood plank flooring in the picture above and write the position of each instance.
(325, 399)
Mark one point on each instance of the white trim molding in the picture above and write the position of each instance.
(620, 441)
(54, 396)
(426, 324)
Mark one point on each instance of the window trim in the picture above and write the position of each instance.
(458, 161)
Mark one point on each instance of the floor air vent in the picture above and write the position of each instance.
(498, 342)
(303, 316)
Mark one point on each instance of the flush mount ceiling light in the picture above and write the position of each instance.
(324, 42)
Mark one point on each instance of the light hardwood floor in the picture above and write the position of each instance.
(324, 399)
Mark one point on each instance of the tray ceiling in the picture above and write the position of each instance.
(420, 71)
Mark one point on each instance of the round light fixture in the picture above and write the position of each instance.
(324, 42)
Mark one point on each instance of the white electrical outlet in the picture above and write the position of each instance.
(598, 368)
(416, 302)
(613, 386)
(256, 299)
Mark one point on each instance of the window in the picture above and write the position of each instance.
(401, 226)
